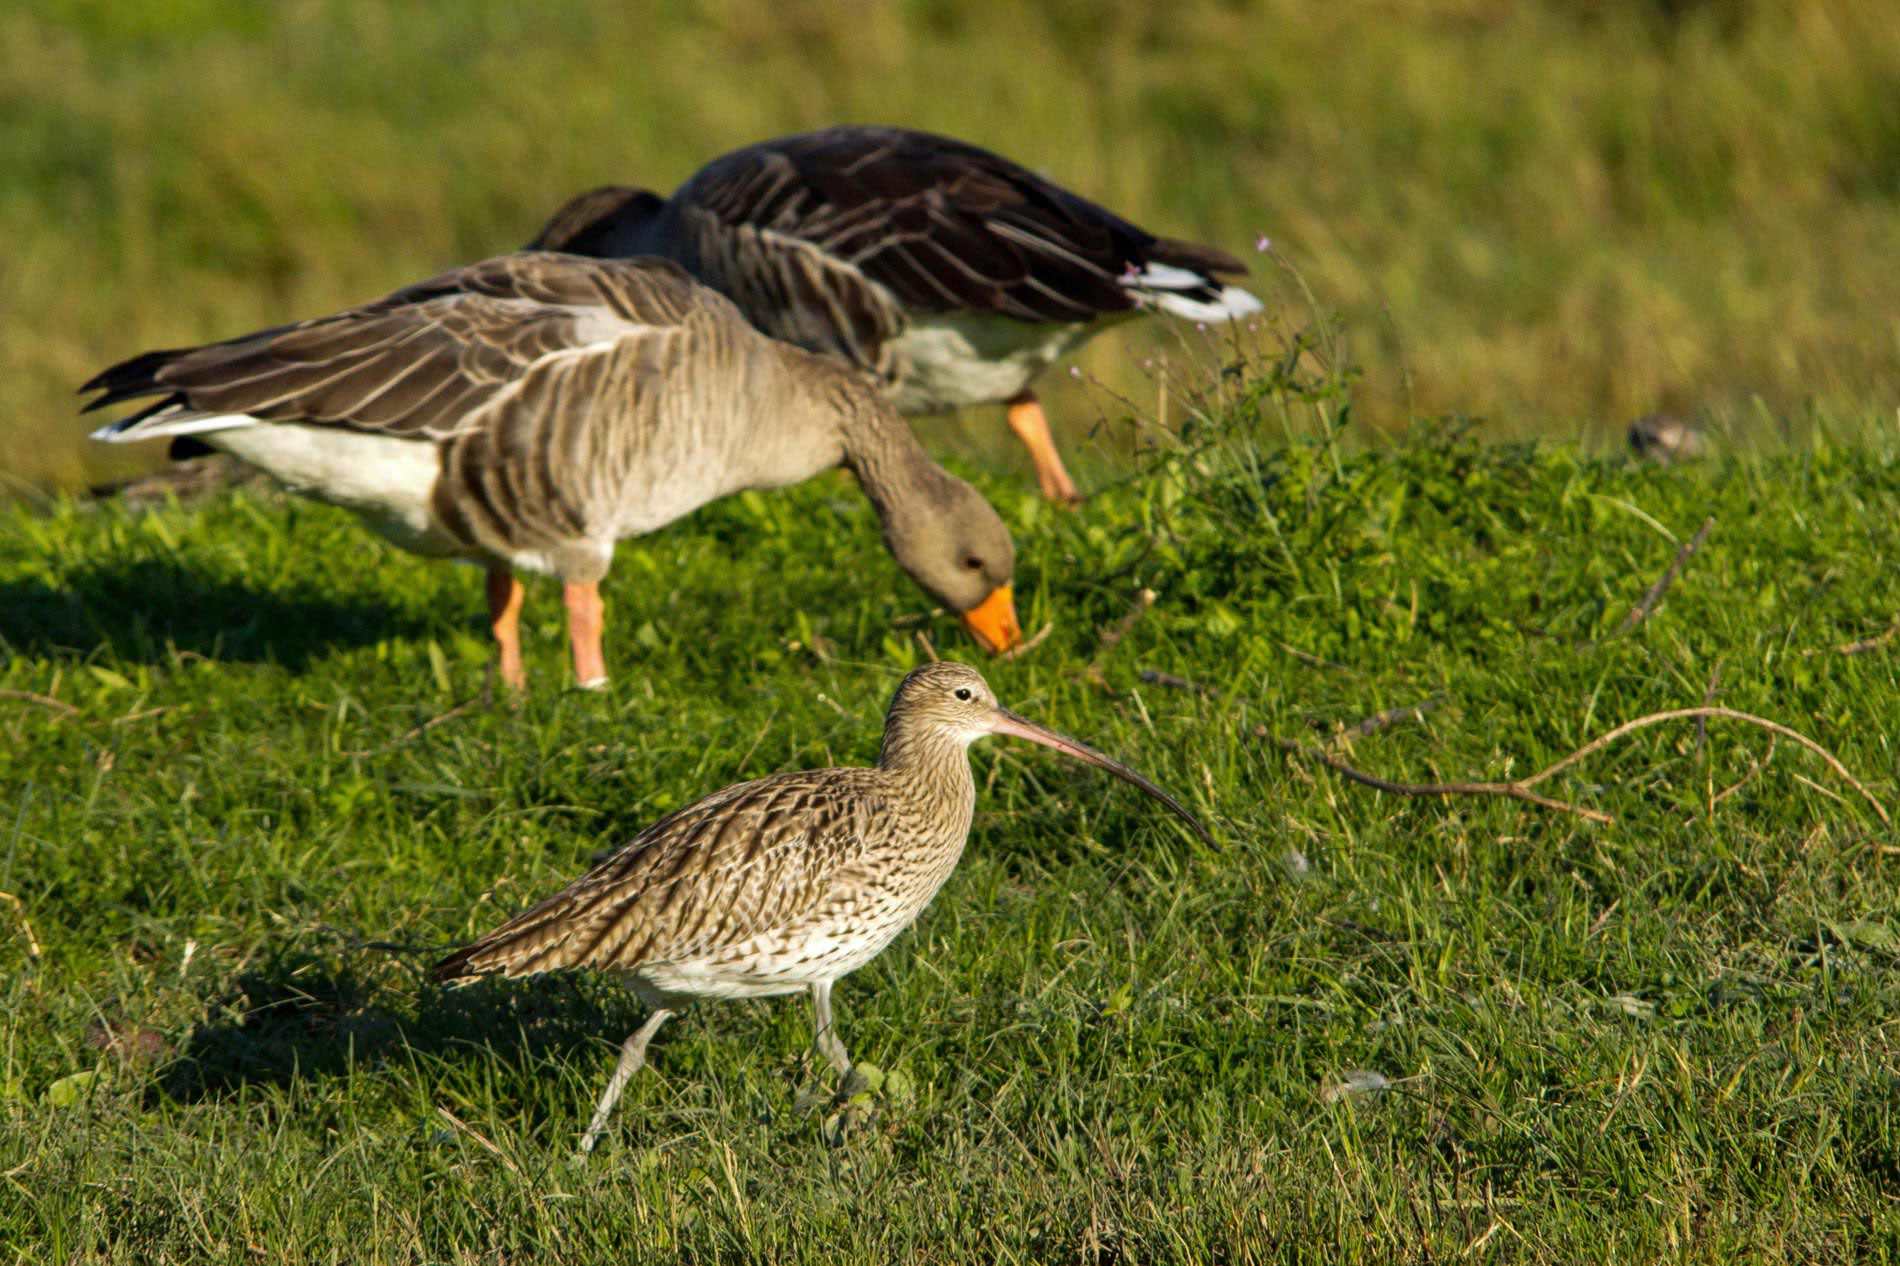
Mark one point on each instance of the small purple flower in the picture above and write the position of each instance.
(1201, 326)
(1263, 243)
(1075, 372)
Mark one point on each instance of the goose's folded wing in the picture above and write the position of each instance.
(419, 362)
(942, 225)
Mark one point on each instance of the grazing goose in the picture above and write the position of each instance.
(530, 410)
(781, 884)
(952, 274)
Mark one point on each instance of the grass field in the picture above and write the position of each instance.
(1361, 1029)
(1555, 215)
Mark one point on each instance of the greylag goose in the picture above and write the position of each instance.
(530, 410)
(781, 884)
(951, 274)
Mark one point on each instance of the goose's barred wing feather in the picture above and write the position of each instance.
(944, 225)
(417, 362)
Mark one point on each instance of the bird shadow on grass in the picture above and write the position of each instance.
(306, 1019)
(144, 610)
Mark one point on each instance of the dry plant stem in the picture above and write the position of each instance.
(1391, 716)
(19, 908)
(417, 731)
(1041, 636)
(1514, 790)
(45, 701)
(1641, 610)
(1754, 772)
(1155, 677)
(1865, 644)
(1112, 637)
(1521, 788)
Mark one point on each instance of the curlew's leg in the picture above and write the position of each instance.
(504, 620)
(830, 1045)
(1031, 425)
(633, 1053)
(585, 619)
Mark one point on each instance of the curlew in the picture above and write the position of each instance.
(529, 411)
(783, 884)
(951, 274)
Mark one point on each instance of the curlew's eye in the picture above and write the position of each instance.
(963, 693)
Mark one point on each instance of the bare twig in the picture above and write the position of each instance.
(924, 644)
(475, 1134)
(1391, 716)
(1728, 714)
(1641, 610)
(45, 701)
(1754, 772)
(1861, 647)
(1521, 789)
(1515, 790)
(1708, 697)
(417, 731)
(19, 908)
(1041, 636)
(1306, 657)
(1154, 677)
(1112, 636)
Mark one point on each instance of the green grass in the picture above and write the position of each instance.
(1670, 1037)
(1557, 215)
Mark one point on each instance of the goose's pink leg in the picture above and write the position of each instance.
(585, 619)
(1027, 419)
(504, 619)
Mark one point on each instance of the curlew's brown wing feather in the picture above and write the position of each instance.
(745, 861)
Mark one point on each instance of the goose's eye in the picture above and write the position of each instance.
(963, 693)
(973, 563)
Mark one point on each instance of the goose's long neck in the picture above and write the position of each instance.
(880, 449)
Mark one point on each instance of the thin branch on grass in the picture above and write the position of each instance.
(19, 908)
(1391, 716)
(1754, 772)
(45, 701)
(1708, 697)
(417, 731)
(1515, 790)
(1641, 610)
(1154, 677)
(475, 1134)
(1112, 637)
(1521, 789)
(1041, 636)
(1861, 647)
(926, 645)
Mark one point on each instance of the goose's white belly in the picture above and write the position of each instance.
(950, 361)
(386, 480)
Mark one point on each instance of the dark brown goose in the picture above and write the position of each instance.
(952, 274)
(782, 884)
(531, 410)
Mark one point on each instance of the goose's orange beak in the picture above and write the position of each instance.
(993, 624)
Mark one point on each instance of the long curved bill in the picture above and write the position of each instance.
(993, 622)
(1003, 721)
